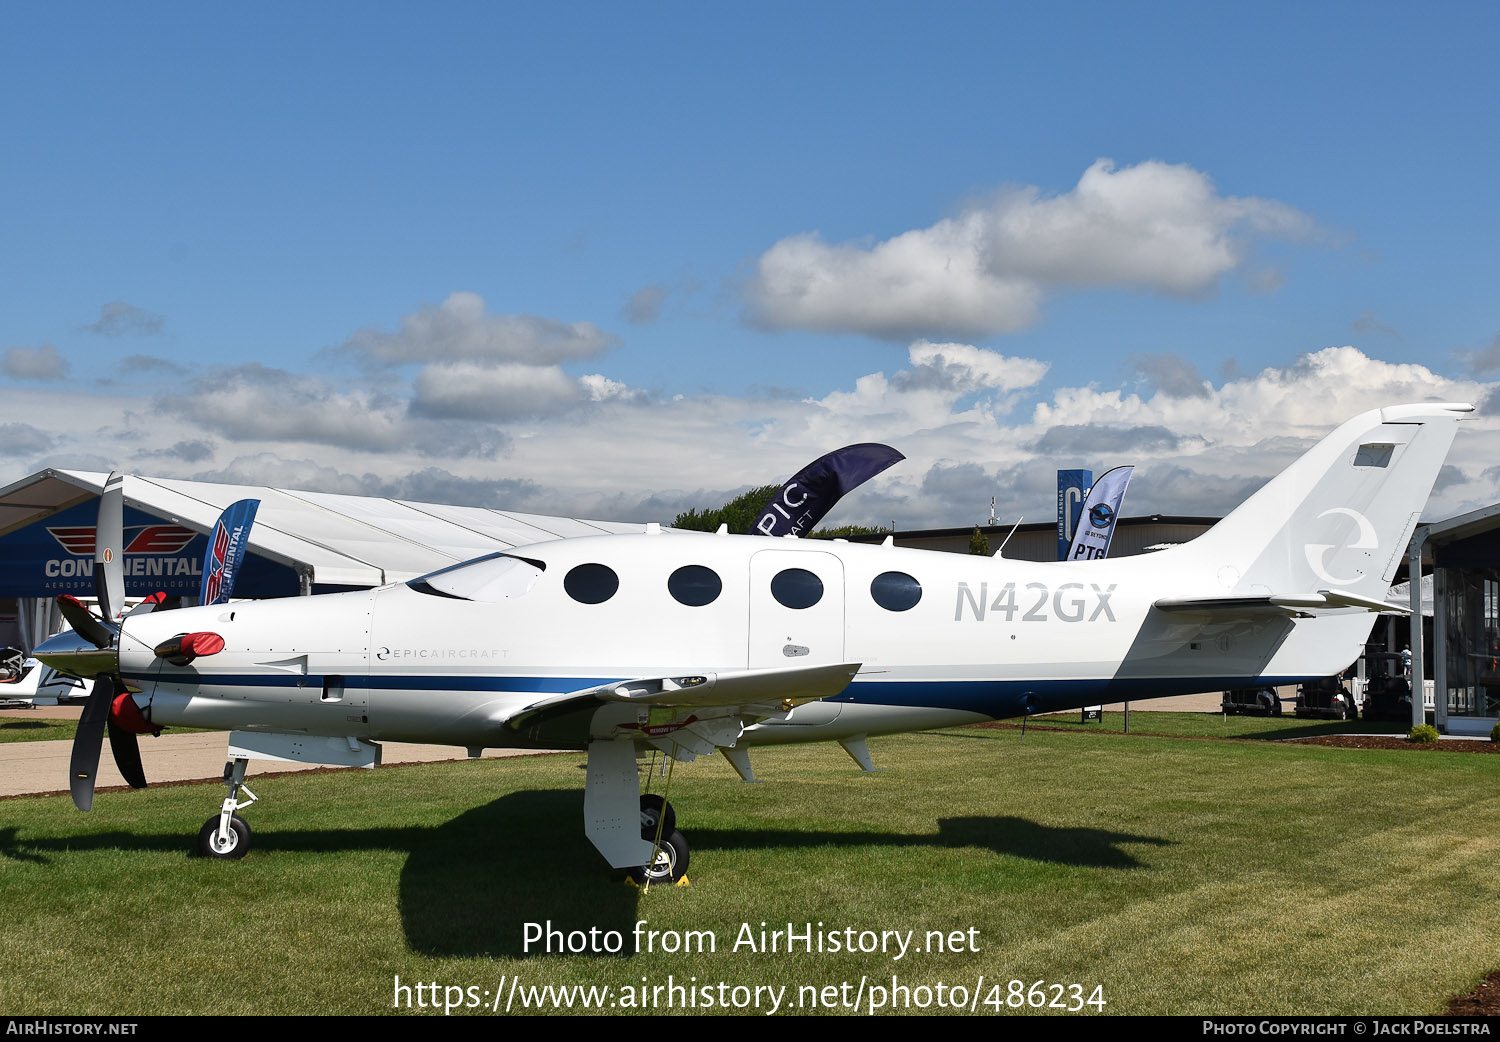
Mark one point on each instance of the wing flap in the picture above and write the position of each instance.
(738, 687)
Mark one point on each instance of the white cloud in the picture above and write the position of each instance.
(118, 318)
(257, 403)
(644, 305)
(1154, 227)
(1169, 373)
(493, 392)
(22, 440)
(597, 387)
(34, 363)
(971, 422)
(459, 329)
(931, 281)
(962, 368)
(1486, 359)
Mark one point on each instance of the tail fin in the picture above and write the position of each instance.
(1337, 521)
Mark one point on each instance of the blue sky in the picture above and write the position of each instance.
(619, 261)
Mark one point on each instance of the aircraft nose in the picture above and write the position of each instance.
(68, 652)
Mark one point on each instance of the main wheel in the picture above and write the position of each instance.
(236, 846)
(670, 865)
(653, 810)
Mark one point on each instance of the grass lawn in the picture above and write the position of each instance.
(42, 729)
(1177, 875)
(1214, 725)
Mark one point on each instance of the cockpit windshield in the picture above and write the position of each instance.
(498, 577)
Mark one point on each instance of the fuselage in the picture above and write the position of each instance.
(940, 638)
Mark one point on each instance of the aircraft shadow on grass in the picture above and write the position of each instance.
(485, 874)
(470, 885)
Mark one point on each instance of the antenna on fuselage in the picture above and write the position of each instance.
(1012, 532)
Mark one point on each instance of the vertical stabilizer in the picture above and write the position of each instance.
(1339, 519)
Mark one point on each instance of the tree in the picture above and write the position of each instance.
(979, 543)
(741, 511)
(844, 531)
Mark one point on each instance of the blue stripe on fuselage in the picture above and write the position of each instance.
(1007, 698)
(537, 685)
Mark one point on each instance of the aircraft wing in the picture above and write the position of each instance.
(736, 687)
(1276, 604)
(692, 714)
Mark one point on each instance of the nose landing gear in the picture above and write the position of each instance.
(227, 835)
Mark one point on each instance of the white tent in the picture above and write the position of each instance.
(330, 540)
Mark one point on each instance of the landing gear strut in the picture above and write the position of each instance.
(635, 832)
(653, 810)
(226, 834)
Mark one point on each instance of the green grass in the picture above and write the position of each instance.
(1215, 725)
(1183, 876)
(44, 729)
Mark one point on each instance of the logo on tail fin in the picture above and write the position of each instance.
(1317, 553)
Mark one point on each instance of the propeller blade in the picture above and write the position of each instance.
(84, 624)
(87, 743)
(109, 538)
(158, 601)
(127, 749)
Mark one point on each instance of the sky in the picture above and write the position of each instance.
(615, 261)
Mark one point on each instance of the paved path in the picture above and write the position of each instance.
(31, 767)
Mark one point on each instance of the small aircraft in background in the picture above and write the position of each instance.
(695, 643)
(27, 682)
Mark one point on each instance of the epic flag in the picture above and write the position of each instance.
(813, 490)
(1096, 526)
(226, 550)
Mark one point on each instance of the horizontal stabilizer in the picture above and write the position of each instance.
(1278, 604)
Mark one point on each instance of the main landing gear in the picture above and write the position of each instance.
(669, 859)
(636, 833)
(226, 834)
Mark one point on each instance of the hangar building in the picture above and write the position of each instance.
(1463, 652)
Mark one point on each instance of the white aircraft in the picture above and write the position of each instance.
(690, 644)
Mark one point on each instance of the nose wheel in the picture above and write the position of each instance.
(226, 835)
(234, 845)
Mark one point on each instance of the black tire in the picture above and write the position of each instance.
(671, 862)
(653, 808)
(239, 838)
